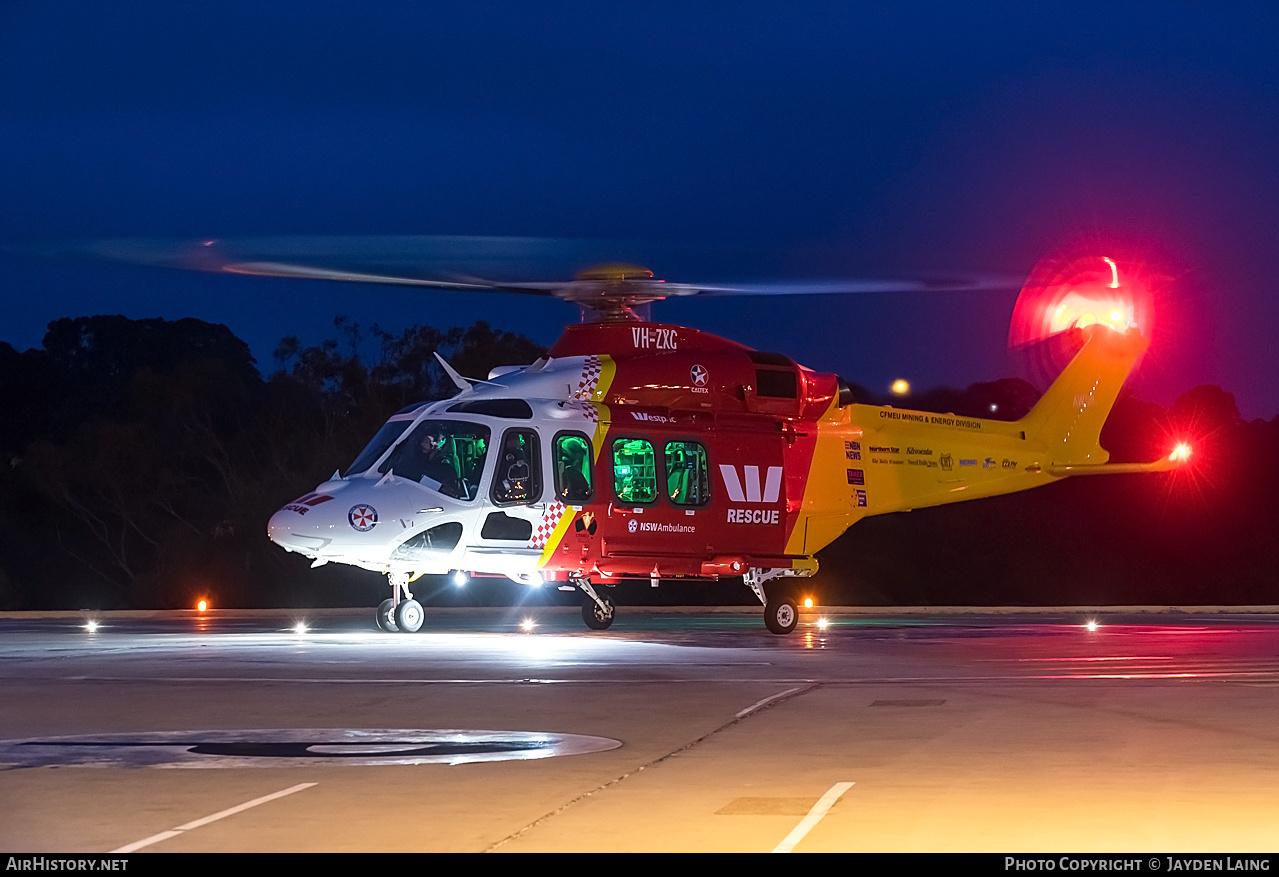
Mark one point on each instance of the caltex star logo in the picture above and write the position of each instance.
(362, 517)
(698, 374)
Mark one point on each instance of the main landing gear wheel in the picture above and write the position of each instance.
(598, 617)
(386, 616)
(408, 616)
(780, 616)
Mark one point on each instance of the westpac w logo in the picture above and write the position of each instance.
(772, 483)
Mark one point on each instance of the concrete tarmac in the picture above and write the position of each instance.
(885, 730)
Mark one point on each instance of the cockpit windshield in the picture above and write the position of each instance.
(390, 431)
(444, 455)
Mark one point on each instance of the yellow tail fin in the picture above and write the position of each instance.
(1069, 417)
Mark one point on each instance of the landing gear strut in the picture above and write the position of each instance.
(598, 610)
(780, 613)
(394, 613)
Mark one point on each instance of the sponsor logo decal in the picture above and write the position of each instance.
(968, 462)
(585, 524)
(874, 449)
(1008, 464)
(947, 462)
(856, 476)
(632, 525)
(362, 517)
(749, 489)
(861, 499)
(772, 483)
(928, 451)
(652, 418)
(931, 419)
(988, 463)
(699, 376)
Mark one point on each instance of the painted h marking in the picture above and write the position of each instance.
(772, 483)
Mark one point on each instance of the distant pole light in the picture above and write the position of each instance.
(900, 387)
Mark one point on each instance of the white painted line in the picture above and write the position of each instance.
(820, 809)
(221, 814)
(766, 701)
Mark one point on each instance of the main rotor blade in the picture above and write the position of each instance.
(851, 286)
(523, 265)
(308, 272)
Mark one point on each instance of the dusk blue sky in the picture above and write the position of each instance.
(711, 141)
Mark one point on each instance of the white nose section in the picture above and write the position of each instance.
(278, 527)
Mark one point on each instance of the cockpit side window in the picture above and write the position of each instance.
(572, 459)
(518, 479)
(390, 431)
(445, 455)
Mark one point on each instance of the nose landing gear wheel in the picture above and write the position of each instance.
(386, 616)
(780, 616)
(408, 616)
(598, 617)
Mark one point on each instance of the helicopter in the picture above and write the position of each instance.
(640, 449)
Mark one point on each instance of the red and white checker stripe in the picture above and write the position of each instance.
(590, 379)
(550, 520)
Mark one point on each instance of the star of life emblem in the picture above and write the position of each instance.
(362, 517)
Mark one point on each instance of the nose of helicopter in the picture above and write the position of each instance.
(279, 527)
(298, 526)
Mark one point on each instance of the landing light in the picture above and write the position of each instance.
(527, 625)
(1181, 453)
(300, 628)
(900, 387)
(460, 578)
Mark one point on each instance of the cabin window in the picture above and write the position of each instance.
(518, 478)
(572, 455)
(687, 474)
(514, 409)
(634, 471)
